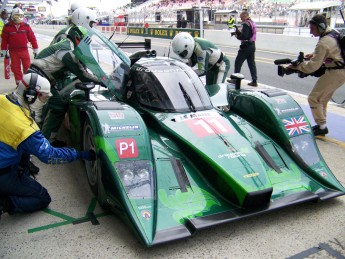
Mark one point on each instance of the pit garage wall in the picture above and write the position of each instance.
(265, 41)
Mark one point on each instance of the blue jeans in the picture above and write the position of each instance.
(25, 193)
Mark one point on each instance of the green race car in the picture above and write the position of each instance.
(174, 156)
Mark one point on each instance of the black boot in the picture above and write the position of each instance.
(318, 131)
(5, 205)
(33, 169)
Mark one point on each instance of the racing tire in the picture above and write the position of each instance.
(92, 167)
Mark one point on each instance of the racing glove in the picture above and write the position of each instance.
(88, 155)
(35, 52)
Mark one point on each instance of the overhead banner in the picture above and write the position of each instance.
(166, 33)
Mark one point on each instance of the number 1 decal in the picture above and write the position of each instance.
(127, 148)
(206, 127)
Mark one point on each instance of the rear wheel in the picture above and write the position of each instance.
(92, 167)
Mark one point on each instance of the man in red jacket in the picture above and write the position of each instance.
(15, 37)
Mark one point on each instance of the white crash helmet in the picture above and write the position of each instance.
(74, 6)
(31, 86)
(84, 17)
(183, 45)
(17, 15)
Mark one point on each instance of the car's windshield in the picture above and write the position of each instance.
(104, 59)
(103, 55)
(165, 86)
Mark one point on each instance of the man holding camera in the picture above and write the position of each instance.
(328, 53)
(247, 36)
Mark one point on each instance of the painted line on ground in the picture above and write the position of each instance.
(89, 217)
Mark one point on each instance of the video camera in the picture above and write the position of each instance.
(235, 32)
(287, 71)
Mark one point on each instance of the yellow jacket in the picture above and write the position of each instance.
(17, 125)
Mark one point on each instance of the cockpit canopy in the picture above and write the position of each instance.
(167, 85)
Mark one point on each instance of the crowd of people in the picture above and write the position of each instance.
(257, 8)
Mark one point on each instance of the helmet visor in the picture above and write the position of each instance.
(92, 24)
(183, 54)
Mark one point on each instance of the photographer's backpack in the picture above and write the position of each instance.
(340, 37)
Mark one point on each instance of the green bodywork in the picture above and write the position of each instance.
(206, 169)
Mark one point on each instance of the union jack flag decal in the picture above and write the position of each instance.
(296, 125)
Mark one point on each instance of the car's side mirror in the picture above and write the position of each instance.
(86, 87)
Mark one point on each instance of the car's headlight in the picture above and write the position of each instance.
(136, 177)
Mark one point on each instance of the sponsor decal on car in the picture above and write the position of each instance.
(148, 70)
(127, 148)
(282, 111)
(116, 115)
(296, 125)
(251, 175)
(144, 207)
(232, 155)
(323, 174)
(108, 128)
(203, 127)
(280, 100)
(190, 116)
(146, 214)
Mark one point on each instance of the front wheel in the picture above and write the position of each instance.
(92, 167)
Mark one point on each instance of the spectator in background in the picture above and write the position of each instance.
(178, 23)
(3, 21)
(18, 5)
(231, 22)
(146, 26)
(15, 37)
(183, 23)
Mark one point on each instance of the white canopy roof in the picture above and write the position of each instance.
(315, 5)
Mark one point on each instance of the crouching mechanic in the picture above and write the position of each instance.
(210, 60)
(20, 137)
(54, 63)
(327, 52)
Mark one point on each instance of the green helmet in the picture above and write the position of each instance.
(76, 34)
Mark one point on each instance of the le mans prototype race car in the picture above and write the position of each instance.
(170, 161)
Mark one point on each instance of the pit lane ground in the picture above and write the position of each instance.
(74, 226)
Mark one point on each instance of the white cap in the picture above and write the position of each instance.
(17, 10)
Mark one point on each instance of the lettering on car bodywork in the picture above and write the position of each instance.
(127, 148)
(116, 115)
